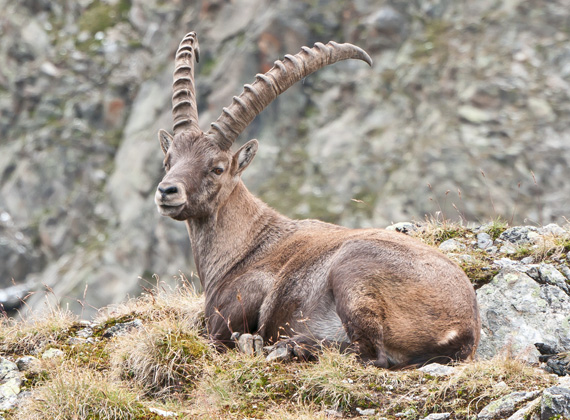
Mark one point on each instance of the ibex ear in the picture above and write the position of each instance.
(244, 155)
(165, 140)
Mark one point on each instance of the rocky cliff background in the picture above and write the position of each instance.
(465, 114)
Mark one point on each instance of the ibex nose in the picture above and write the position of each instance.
(168, 189)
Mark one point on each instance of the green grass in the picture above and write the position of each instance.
(479, 268)
(496, 227)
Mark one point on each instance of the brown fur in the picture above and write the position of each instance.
(301, 283)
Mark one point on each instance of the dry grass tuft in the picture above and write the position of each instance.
(182, 303)
(296, 412)
(36, 332)
(236, 386)
(435, 230)
(162, 358)
(476, 384)
(338, 382)
(77, 393)
(550, 247)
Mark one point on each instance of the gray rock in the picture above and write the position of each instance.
(435, 369)
(403, 227)
(474, 115)
(527, 410)
(386, 20)
(406, 414)
(517, 311)
(437, 416)
(492, 250)
(541, 109)
(555, 403)
(366, 412)
(520, 235)
(484, 240)
(19, 258)
(451, 245)
(514, 264)
(333, 413)
(122, 328)
(53, 353)
(558, 364)
(12, 297)
(566, 271)
(162, 413)
(506, 405)
(508, 248)
(85, 332)
(7, 366)
(27, 363)
(550, 275)
(564, 381)
(552, 229)
(527, 260)
(10, 382)
(9, 402)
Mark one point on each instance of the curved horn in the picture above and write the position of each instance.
(184, 107)
(255, 97)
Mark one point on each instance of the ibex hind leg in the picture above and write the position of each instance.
(366, 338)
(359, 307)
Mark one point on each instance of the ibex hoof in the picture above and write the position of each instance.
(249, 344)
(279, 353)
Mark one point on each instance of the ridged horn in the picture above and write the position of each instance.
(184, 106)
(255, 97)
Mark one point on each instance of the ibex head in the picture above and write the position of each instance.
(201, 171)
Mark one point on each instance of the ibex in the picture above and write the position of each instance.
(301, 283)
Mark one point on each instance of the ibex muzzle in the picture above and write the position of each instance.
(301, 283)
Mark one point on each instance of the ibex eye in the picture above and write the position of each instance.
(218, 171)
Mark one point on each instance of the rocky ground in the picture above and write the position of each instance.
(470, 98)
(147, 359)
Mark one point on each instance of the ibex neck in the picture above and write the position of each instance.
(221, 242)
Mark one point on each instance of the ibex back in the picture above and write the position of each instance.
(301, 283)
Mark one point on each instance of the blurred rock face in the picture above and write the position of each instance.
(470, 98)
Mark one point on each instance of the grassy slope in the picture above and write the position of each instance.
(166, 364)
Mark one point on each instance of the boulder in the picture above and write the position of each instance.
(517, 311)
(506, 405)
(555, 403)
(10, 382)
